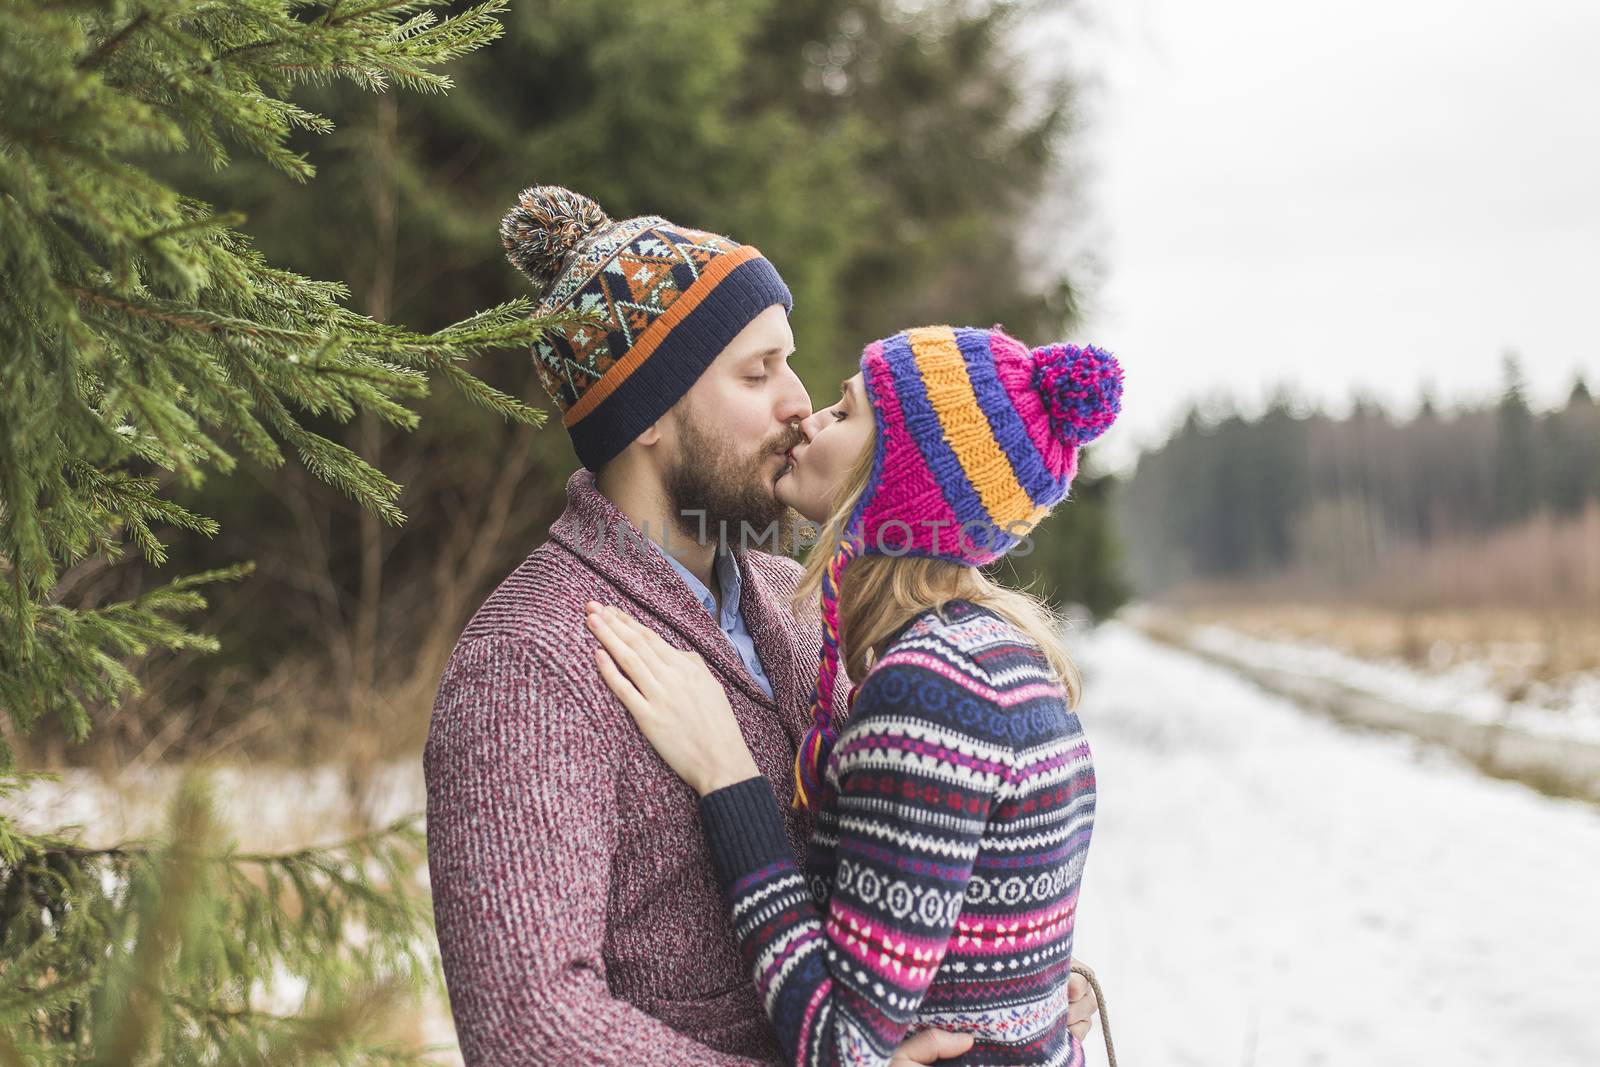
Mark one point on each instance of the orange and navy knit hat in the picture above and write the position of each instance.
(655, 303)
(977, 439)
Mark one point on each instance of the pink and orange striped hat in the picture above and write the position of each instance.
(977, 439)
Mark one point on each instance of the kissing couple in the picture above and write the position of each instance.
(693, 802)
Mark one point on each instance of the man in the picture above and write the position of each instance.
(578, 916)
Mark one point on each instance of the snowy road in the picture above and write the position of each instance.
(1266, 888)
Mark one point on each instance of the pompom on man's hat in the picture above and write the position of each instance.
(658, 302)
(977, 440)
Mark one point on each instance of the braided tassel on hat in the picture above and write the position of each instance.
(812, 757)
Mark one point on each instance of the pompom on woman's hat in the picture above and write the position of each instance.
(657, 302)
(977, 440)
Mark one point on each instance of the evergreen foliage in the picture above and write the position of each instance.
(1074, 559)
(171, 951)
(148, 343)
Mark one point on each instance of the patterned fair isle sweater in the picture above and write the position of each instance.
(942, 878)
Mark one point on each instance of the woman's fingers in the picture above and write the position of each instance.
(663, 660)
(1081, 1001)
(645, 640)
(930, 1046)
(638, 669)
(620, 685)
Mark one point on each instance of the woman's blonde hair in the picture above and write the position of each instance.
(879, 594)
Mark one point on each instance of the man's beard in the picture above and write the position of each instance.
(732, 493)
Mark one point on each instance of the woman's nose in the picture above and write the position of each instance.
(811, 425)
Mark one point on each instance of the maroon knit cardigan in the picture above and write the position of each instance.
(578, 916)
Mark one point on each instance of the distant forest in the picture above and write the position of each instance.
(1495, 501)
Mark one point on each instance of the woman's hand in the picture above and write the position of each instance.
(679, 705)
(1082, 1004)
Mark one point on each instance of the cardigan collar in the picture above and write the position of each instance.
(596, 532)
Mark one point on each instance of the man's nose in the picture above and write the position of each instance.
(794, 409)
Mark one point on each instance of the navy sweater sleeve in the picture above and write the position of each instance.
(912, 795)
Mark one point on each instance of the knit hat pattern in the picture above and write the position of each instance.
(650, 305)
(977, 440)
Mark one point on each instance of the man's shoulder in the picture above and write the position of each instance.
(519, 662)
(539, 603)
(526, 630)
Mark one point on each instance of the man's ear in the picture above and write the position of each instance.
(664, 430)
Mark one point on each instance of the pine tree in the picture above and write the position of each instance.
(1346, 491)
(1427, 405)
(162, 952)
(1579, 396)
(1073, 559)
(148, 345)
(1517, 473)
(1572, 446)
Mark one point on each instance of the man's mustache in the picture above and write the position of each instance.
(780, 443)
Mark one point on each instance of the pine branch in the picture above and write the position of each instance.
(112, 43)
(195, 932)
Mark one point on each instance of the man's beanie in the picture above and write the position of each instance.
(977, 440)
(656, 302)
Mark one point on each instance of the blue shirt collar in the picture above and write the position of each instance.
(727, 576)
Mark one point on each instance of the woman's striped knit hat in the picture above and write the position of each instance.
(655, 304)
(977, 439)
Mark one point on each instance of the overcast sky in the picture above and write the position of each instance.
(1369, 195)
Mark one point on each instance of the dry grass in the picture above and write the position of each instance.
(1524, 600)
(1543, 563)
(1519, 644)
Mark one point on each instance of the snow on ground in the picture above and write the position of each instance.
(1568, 708)
(1264, 888)
(261, 808)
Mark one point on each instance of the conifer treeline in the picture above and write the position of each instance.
(1328, 499)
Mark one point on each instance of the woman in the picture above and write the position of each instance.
(954, 807)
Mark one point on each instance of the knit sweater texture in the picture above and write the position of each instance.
(941, 884)
(578, 915)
